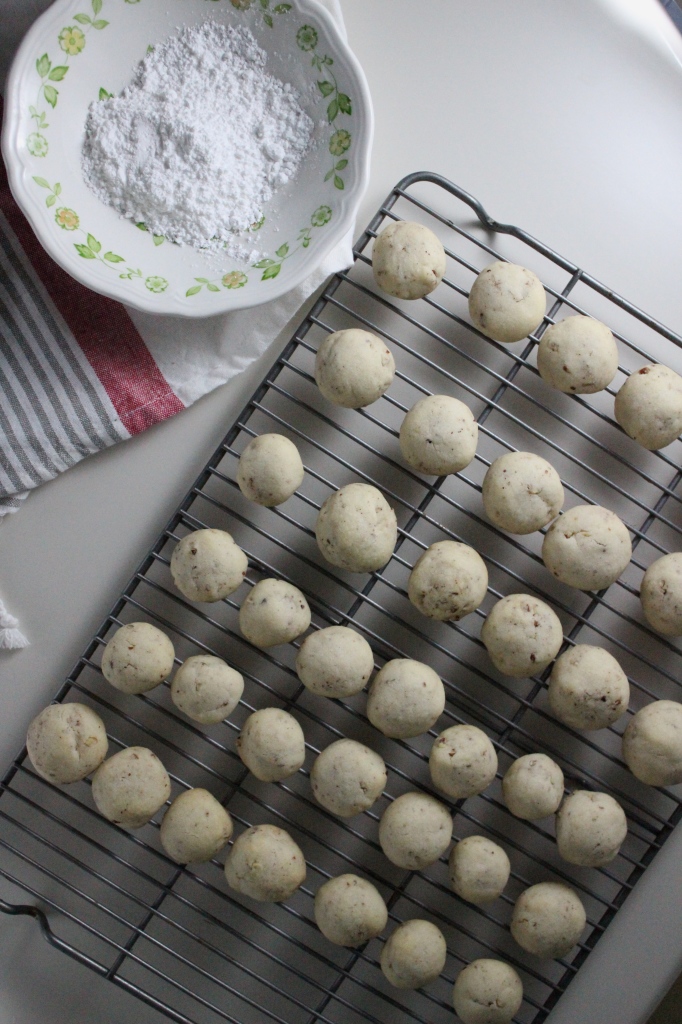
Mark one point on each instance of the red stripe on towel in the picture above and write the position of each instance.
(110, 342)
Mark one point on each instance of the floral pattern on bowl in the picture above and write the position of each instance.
(79, 52)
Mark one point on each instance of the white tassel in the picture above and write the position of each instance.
(11, 638)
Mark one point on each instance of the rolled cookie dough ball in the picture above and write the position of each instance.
(661, 594)
(649, 406)
(533, 787)
(274, 612)
(270, 470)
(652, 743)
(206, 689)
(463, 761)
(207, 565)
(587, 688)
(578, 355)
(414, 955)
(522, 635)
(448, 581)
(439, 435)
(334, 662)
(506, 302)
(487, 992)
(130, 787)
(479, 869)
(66, 742)
(137, 658)
(590, 828)
(195, 827)
(587, 547)
(271, 744)
(522, 492)
(415, 831)
(408, 260)
(353, 368)
(357, 529)
(349, 910)
(266, 864)
(548, 920)
(405, 699)
(347, 778)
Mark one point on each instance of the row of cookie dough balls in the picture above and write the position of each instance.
(507, 302)
(587, 548)
(587, 690)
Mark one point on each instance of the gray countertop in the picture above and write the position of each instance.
(561, 117)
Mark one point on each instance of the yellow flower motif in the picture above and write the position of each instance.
(156, 284)
(36, 144)
(322, 216)
(67, 219)
(71, 40)
(339, 142)
(306, 37)
(235, 279)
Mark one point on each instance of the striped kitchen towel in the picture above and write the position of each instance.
(75, 374)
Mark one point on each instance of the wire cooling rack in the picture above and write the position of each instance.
(177, 937)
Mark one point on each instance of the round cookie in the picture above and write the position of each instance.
(548, 920)
(271, 744)
(207, 565)
(578, 356)
(506, 302)
(408, 260)
(206, 689)
(66, 742)
(661, 594)
(487, 992)
(269, 470)
(195, 827)
(587, 547)
(334, 662)
(587, 688)
(448, 581)
(522, 492)
(353, 368)
(479, 870)
(266, 864)
(130, 787)
(347, 777)
(415, 831)
(649, 406)
(533, 787)
(439, 435)
(349, 910)
(137, 658)
(357, 529)
(405, 699)
(590, 828)
(273, 612)
(522, 635)
(652, 743)
(414, 955)
(462, 762)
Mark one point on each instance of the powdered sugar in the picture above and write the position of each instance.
(199, 141)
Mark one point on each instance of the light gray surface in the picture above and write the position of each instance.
(561, 117)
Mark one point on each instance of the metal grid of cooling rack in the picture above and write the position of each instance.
(177, 937)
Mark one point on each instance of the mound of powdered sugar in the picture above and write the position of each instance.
(199, 141)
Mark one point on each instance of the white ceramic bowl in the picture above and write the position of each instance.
(79, 47)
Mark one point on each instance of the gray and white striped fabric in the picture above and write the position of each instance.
(53, 407)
